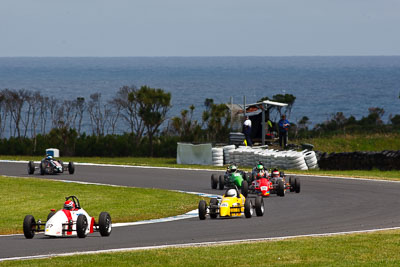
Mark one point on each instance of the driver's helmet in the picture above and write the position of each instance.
(260, 175)
(260, 167)
(232, 168)
(231, 193)
(49, 157)
(69, 205)
(275, 173)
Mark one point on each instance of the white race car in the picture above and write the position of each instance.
(72, 220)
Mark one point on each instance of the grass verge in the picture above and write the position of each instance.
(372, 249)
(22, 196)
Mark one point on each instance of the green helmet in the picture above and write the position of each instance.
(232, 168)
(260, 167)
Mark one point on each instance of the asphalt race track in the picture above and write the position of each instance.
(325, 205)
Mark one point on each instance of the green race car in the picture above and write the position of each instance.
(232, 177)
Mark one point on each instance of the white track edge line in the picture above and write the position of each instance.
(199, 244)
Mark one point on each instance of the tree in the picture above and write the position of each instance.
(217, 118)
(153, 107)
(126, 100)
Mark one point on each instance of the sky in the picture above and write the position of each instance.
(119, 28)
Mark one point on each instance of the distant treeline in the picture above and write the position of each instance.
(134, 123)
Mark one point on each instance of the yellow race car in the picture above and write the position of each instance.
(232, 204)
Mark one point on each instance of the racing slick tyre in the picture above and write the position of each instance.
(202, 209)
(71, 167)
(213, 208)
(297, 185)
(42, 168)
(31, 167)
(105, 224)
(221, 182)
(244, 174)
(245, 188)
(292, 185)
(259, 206)
(214, 181)
(50, 214)
(280, 191)
(248, 209)
(81, 226)
(29, 226)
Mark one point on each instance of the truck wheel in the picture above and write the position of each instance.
(214, 181)
(105, 225)
(213, 208)
(31, 167)
(221, 182)
(81, 226)
(248, 209)
(71, 167)
(297, 185)
(29, 226)
(245, 188)
(202, 210)
(260, 206)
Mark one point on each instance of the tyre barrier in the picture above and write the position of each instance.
(227, 153)
(360, 160)
(236, 138)
(217, 156)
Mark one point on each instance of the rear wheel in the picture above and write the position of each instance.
(213, 208)
(31, 167)
(297, 185)
(81, 226)
(221, 182)
(248, 211)
(214, 181)
(202, 210)
(281, 188)
(259, 206)
(71, 167)
(292, 185)
(29, 226)
(245, 188)
(105, 224)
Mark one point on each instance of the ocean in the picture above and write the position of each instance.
(322, 85)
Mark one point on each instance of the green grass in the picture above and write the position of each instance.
(22, 196)
(354, 142)
(372, 249)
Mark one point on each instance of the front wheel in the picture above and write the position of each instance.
(292, 185)
(105, 224)
(202, 209)
(31, 167)
(260, 206)
(29, 226)
(71, 168)
(281, 188)
(248, 209)
(81, 226)
(245, 188)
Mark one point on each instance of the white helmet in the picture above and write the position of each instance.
(231, 193)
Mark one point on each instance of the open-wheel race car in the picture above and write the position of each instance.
(232, 204)
(49, 165)
(260, 183)
(70, 221)
(232, 177)
(279, 184)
